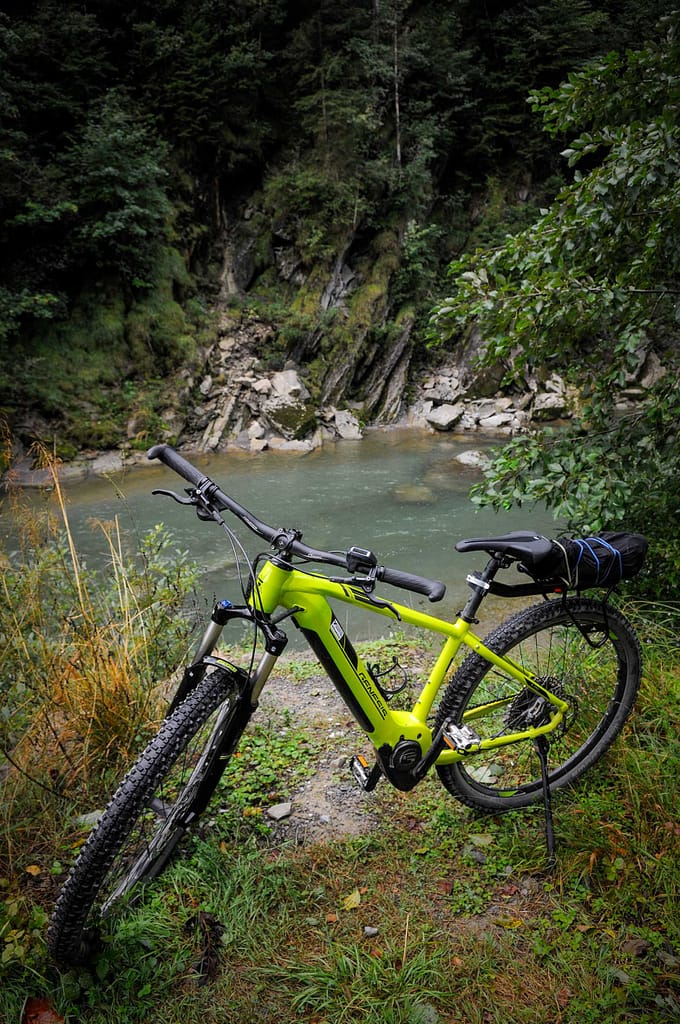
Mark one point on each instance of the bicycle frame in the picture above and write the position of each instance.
(305, 596)
(405, 745)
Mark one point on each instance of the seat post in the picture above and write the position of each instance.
(479, 583)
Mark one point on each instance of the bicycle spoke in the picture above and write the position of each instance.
(597, 683)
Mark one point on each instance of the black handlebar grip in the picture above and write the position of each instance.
(434, 590)
(167, 454)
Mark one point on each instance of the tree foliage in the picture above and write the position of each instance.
(593, 289)
(116, 174)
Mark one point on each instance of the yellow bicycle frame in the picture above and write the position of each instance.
(306, 595)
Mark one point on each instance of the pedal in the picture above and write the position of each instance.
(366, 777)
(461, 738)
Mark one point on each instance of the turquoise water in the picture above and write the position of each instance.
(399, 493)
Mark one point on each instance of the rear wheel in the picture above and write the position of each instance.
(583, 651)
(155, 805)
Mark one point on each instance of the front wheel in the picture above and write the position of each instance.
(153, 808)
(585, 652)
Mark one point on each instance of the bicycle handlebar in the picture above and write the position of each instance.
(211, 492)
(434, 590)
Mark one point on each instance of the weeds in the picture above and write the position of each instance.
(84, 661)
(382, 987)
(84, 656)
(267, 767)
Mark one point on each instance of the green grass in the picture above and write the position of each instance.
(469, 924)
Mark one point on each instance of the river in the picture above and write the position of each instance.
(400, 493)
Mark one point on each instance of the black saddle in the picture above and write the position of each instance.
(528, 548)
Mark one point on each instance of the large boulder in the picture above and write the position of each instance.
(443, 417)
(287, 410)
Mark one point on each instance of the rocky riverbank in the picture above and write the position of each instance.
(245, 405)
(235, 402)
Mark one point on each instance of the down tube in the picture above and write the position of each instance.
(351, 677)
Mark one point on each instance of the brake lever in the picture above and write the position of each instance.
(367, 584)
(176, 497)
(203, 510)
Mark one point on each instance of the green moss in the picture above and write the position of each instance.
(307, 302)
(295, 420)
(76, 372)
(157, 333)
(388, 250)
(104, 432)
(368, 305)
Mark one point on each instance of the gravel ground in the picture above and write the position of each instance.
(330, 804)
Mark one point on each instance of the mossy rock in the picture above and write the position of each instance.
(294, 420)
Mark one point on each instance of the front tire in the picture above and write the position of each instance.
(146, 818)
(584, 651)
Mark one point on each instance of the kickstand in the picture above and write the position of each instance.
(541, 746)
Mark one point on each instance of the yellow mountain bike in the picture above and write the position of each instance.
(528, 710)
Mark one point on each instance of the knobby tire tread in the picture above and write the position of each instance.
(67, 940)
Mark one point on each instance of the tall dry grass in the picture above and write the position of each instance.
(85, 656)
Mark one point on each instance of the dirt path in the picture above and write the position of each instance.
(329, 804)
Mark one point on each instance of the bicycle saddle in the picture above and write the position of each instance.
(530, 548)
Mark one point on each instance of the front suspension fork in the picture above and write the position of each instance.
(252, 682)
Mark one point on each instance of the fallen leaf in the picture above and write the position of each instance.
(33, 869)
(481, 839)
(353, 900)
(40, 1011)
(509, 922)
(331, 918)
(636, 947)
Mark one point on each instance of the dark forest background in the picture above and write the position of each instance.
(133, 136)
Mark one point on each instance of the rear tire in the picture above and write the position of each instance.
(146, 818)
(600, 683)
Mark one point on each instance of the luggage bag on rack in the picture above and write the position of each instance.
(602, 560)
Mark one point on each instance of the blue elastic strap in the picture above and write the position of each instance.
(594, 557)
(580, 544)
(614, 551)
